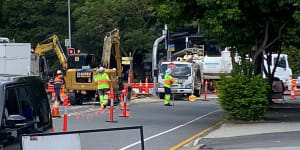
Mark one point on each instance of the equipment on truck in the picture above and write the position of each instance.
(79, 69)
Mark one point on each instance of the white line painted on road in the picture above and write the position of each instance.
(159, 134)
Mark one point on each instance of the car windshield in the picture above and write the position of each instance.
(77, 61)
(180, 70)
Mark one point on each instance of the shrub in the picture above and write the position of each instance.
(242, 97)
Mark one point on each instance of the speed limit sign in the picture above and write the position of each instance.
(172, 66)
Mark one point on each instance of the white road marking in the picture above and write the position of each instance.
(170, 130)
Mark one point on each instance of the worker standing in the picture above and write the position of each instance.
(58, 81)
(102, 80)
(168, 81)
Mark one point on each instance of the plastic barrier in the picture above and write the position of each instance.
(67, 140)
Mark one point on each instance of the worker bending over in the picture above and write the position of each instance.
(102, 80)
(168, 81)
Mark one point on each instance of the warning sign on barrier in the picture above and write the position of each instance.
(52, 142)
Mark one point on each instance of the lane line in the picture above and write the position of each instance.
(161, 133)
(196, 135)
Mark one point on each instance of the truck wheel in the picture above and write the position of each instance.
(197, 92)
(161, 95)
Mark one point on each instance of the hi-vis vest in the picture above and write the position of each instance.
(58, 79)
(168, 80)
(102, 81)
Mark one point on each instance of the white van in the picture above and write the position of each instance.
(283, 71)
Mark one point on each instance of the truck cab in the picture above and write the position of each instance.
(24, 107)
(283, 71)
(188, 76)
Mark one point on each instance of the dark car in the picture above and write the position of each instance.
(24, 107)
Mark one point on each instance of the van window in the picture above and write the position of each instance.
(11, 102)
(25, 100)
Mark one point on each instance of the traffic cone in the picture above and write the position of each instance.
(66, 101)
(293, 93)
(55, 109)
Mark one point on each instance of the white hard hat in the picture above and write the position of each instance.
(101, 70)
(168, 71)
(58, 72)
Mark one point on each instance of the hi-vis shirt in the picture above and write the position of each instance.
(168, 80)
(102, 80)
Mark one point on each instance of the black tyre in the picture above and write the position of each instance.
(72, 98)
(161, 95)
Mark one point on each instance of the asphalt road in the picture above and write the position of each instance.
(163, 126)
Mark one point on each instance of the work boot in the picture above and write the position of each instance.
(168, 104)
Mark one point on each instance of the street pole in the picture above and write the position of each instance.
(69, 20)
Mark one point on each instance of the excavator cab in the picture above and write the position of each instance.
(79, 61)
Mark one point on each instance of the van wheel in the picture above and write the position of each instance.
(161, 95)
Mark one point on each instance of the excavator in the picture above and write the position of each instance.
(80, 68)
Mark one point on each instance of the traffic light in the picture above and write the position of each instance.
(78, 51)
(71, 51)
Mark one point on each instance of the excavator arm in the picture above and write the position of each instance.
(112, 39)
(52, 43)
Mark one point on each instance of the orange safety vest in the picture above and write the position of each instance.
(58, 79)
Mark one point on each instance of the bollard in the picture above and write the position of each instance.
(146, 86)
(111, 97)
(140, 87)
(65, 124)
(205, 90)
(124, 108)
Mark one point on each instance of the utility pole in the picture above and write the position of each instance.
(69, 20)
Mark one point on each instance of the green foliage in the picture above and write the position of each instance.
(244, 68)
(243, 98)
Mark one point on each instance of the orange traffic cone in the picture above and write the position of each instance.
(55, 109)
(293, 93)
(66, 101)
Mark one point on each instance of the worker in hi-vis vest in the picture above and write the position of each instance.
(102, 80)
(168, 81)
(58, 82)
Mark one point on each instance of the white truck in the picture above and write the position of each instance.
(283, 71)
(192, 69)
(15, 58)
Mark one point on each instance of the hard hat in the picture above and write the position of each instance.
(58, 72)
(101, 70)
(168, 71)
(192, 98)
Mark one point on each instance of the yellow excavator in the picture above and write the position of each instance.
(79, 69)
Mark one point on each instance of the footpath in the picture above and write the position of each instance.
(280, 130)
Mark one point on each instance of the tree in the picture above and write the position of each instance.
(248, 26)
(132, 17)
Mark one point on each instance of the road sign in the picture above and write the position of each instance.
(67, 43)
(126, 60)
(172, 66)
(171, 47)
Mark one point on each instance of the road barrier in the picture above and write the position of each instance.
(67, 140)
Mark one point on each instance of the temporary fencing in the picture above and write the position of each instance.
(77, 140)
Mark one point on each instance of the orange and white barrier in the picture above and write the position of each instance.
(293, 93)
